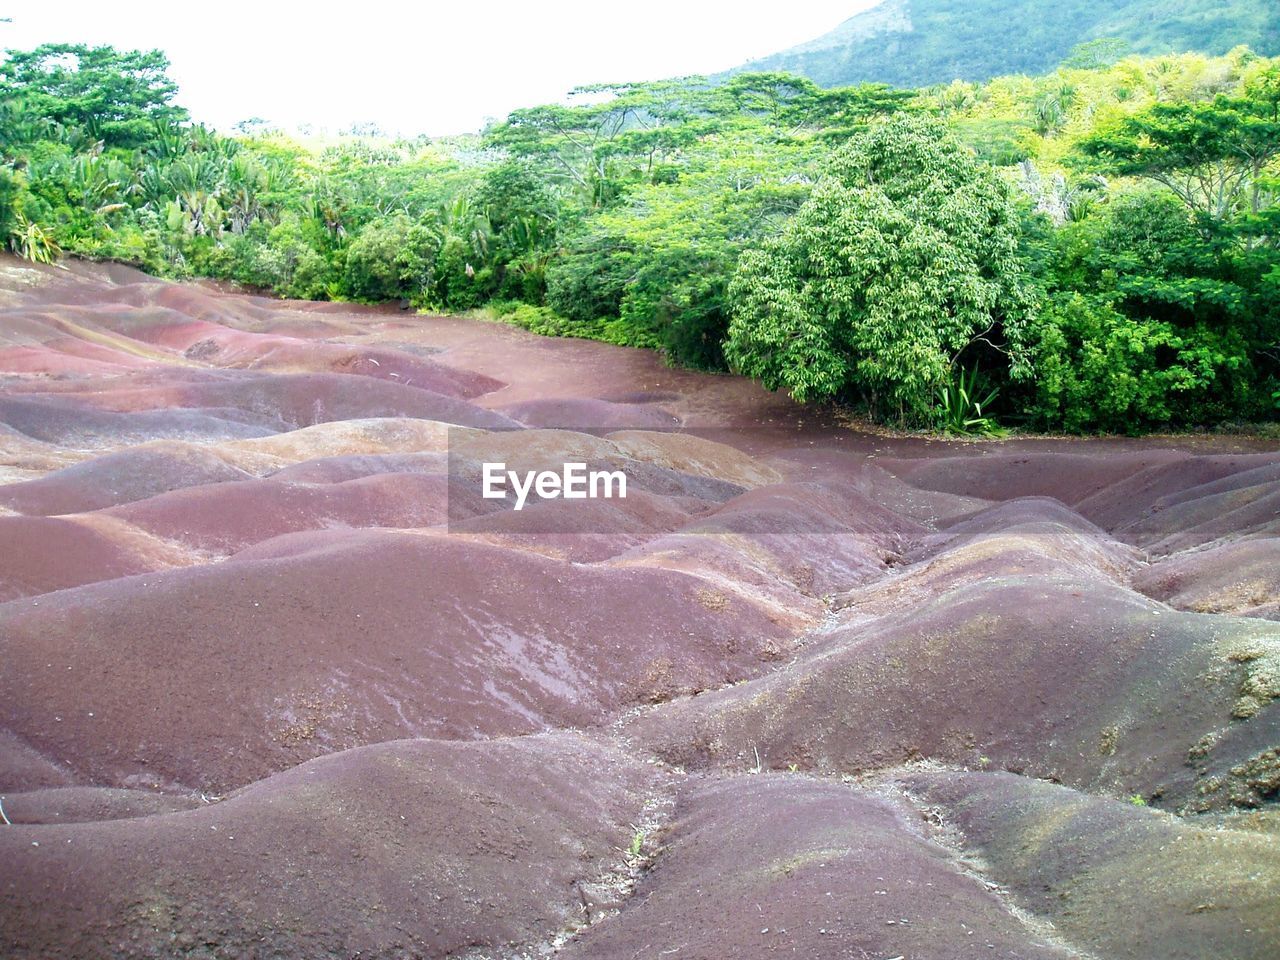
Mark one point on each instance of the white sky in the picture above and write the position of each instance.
(435, 68)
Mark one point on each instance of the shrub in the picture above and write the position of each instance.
(963, 406)
(1097, 368)
(390, 259)
(590, 280)
(905, 255)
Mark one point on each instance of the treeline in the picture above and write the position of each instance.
(1091, 250)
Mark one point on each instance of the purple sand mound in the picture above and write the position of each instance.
(114, 478)
(249, 666)
(458, 845)
(772, 866)
(42, 554)
(224, 518)
(1116, 879)
(793, 697)
(1241, 578)
(1079, 681)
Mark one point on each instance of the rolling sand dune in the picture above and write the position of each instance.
(42, 554)
(225, 518)
(1071, 857)
(278, 681)
(514, 828)
(1071, 680)
(136, 473)
(1241, 578)
(818, 867)
(231, 671)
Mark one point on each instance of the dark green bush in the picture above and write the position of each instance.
(391, 259)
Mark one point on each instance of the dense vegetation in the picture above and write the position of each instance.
(1094, 249)
(903, 257)
(915, 42)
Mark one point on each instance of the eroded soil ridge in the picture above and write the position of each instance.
(804, 692)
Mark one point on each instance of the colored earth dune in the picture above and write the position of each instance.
(275, 681)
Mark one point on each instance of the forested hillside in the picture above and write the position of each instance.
(912, 43)
(1093, 249)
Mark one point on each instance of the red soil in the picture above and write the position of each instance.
(224, 518)
(42, 554)
(278, 682)
(810, 868)
(235, 670)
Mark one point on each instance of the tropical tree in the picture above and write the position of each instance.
(116, 96)
(904, 257)
(1212, 156)
(391, 259)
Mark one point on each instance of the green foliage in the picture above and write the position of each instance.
(391, 259)
(521, 212)
(547, 323)
(1100, 369)
(1148, 323)
(961, 407)
(32, 242)
(1099, 245)
(919, 42)
(1210, 155)
(999, 142)
(904, 256)
(590, 282)
(111, 96)
(662, 261)
(1096, 54)
(11, 192)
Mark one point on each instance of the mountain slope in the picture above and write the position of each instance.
(920, 42)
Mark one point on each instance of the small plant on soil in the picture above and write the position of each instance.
(32, 242)
(960, 405)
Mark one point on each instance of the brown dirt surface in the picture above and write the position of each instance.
(277, 681)
(779, 865)
(137, 473)
(1070, 680)
(1120, 880)
(327, 859)
(1242, 578)
(43, 554)
(213, 676)
(91, 804)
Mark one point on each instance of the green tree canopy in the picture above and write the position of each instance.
(904, 256)
(115, 96)
(1211, 155)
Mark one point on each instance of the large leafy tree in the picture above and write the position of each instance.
(1152, 317)
(1212, 155)
(790, 105)
(619, 136)
(115, 96)
(617, 133)
(904, 257)
(661, 262)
